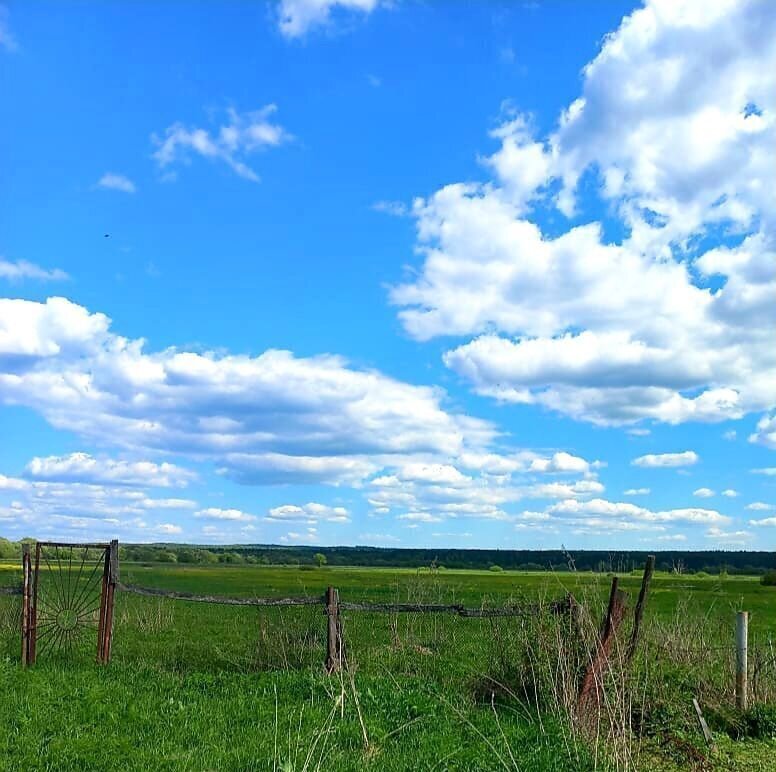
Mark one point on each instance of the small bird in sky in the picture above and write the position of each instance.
(106, 236)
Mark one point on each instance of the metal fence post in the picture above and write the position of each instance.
(26, 593)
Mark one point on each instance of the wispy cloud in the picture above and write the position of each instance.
(230, 143)
(393, 208)
(7, 40)
(111, 181)
(296, 18)
(21, 269)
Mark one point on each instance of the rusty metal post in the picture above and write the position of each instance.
(333, 640)
(103, 609)
(26, 591)
(113, 578)
(32, 649)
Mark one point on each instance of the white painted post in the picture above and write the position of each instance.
(742, 641)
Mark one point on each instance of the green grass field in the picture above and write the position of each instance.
(202, 687)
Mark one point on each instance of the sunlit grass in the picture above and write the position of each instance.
(196, 686)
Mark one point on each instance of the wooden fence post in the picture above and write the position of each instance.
(704, 726)
(592, 682)
(742, 641)
(26, 593)
(333, 638)
(649, 568)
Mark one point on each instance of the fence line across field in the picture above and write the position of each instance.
(591, 685)
(317, 600)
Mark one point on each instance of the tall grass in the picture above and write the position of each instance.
(490, 693)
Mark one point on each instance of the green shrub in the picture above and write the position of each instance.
(760, 721)
(496, 568)
(768, 579)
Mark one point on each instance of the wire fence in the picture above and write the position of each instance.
(282, 641)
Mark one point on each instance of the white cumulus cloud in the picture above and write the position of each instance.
(658, 460)
(82, 467)
(674, 128)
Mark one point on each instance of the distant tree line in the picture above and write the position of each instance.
(604, 561)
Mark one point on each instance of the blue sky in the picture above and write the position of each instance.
(389, 273)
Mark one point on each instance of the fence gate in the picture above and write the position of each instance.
(67, 599)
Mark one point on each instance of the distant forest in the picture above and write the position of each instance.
(618, 561)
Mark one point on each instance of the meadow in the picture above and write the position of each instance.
(200, 687)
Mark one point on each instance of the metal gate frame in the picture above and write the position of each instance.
(30, 579)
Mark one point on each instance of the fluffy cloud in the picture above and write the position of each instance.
(704, 493)
(637, 492)
(81, 467)
(57, 508)
(168, 529)
(730, 493)
(310, 536)
(729, 538)
(230, 143)
(766, 431)
(310, 513)
(658, 460)
(425, 490)
(760, 506)
(270, 418)
(676, 141)
(420, 517)
(298, 17)
(232, 515)
(21, 269)
(111, 181)
(602, 507)
(600, 517)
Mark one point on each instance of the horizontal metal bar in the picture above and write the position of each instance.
(73, 544)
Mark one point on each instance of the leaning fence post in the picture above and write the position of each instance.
(649, 567)
(742, 641)
(592, 681)
(26, 592)
(333, 640)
